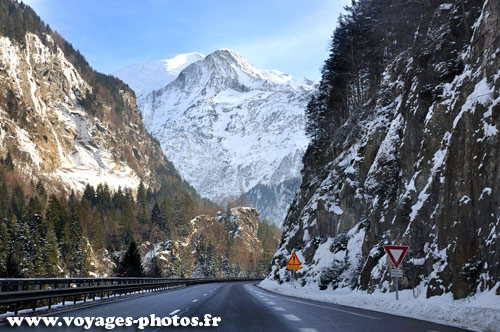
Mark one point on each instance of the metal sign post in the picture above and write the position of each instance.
(397, 286)
(396, 274)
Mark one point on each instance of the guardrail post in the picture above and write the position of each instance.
(69, 286)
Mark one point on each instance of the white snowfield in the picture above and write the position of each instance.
(479, 313)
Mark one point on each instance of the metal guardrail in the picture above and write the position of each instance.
(14, 292)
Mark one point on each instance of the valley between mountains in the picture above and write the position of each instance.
(206, 166)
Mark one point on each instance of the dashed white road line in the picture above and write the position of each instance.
(205, 294)
(292, 318)
(279, 308)
(174, 312)
(271, 303)
(307, 329)
(195, 300)
(335, 309)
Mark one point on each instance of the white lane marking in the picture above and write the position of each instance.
(174, 312)
(292, 317)
(307, 329)
(279, 308)
(205, 294)
(271, 303)
(195, 300)
(335, 309)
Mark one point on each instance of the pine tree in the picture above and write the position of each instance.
(4, 249)
(25, 248)
(141, 196)
(157, 217)
(66, 246)
(142, 214)
(17, 201)
(155, 269)
(130, 265)
(57, 215)
(4, 201)
(77, 244)
(89, 195)
(51, 252)
(226, 265)
(13, 269)
(38, 269)
(103, 197)
(85, 262)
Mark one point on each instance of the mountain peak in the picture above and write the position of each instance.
(230, 57)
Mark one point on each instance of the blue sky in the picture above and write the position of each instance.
(288, 35)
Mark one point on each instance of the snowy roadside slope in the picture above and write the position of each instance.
(480, 313)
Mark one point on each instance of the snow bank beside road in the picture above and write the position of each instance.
(478, 313)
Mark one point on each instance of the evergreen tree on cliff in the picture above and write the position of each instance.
(131, 265)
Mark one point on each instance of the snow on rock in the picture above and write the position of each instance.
(56, 139)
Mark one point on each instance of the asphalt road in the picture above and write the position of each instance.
(242, 307)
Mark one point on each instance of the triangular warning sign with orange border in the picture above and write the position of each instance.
(294, 262)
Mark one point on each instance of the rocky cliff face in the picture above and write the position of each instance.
(232, 129)
(416, 164)
(66, 125)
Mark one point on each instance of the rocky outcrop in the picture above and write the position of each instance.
(416, 165)
(226, 245)
(64, 124)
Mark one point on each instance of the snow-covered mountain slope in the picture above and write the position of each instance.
(229, 127)
(412, 158)
(146, 77)
(68, 126)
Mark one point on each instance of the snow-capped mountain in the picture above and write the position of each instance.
(145, 77)
(231, 129)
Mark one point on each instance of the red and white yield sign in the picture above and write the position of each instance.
(396, 254)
